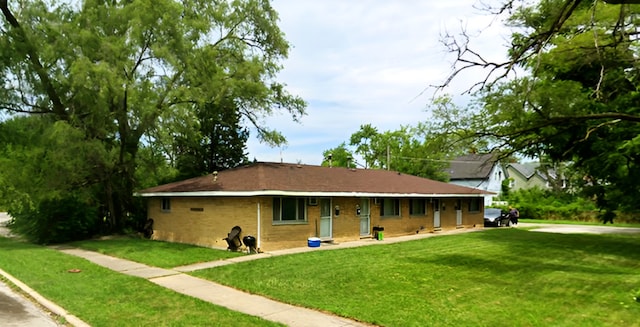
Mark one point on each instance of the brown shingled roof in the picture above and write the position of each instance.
(264, 176)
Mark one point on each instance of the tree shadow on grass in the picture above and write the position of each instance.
(520, 253)
(8, 244)
(526, 242)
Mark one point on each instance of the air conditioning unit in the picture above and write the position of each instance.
(313, 201)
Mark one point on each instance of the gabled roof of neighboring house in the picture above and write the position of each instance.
(526, 170)
(471, 166)
(265, 178)
(529, 169)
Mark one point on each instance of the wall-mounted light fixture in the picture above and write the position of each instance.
(337, 210)
(357, 210)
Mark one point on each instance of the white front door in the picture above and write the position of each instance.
(365, 217)
(325, 219)
(436, 213)
(459, 213)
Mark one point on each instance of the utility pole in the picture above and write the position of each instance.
(388, 158)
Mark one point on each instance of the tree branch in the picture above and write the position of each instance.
(32, 54)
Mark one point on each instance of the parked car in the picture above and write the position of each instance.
(494, 217)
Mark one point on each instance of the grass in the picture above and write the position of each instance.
(498, 277)
(578, 222)
(155, 253)
(102, 297)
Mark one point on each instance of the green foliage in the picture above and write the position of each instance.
(118, 80)
(409, 150)
(102, 297)
(481, 276)
(363, 140)
(579, 101)
(421, 150)
(48, 187)
(505, 189)
(340, 157)
(155, 253)
(219, 144)
(57, 220)
(536, 203)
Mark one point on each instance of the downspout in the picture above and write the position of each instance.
(258, 236)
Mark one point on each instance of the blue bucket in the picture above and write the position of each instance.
(313, 242)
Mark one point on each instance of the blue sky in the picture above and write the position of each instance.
(368, 62)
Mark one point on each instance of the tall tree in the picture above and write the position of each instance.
(422, 150)
(116, 70)
(362, 140)
(339, 156)
(220, 143)
(554, 20)
(579, 102)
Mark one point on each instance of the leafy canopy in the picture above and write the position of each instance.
(123, 75)
(578, 102)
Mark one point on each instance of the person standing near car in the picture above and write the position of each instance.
(514, 214)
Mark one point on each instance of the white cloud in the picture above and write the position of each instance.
(365, 62)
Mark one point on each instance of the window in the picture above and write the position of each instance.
(288, 209)
(165, 205)
(417, 207)
(474, 205)
(389, 207)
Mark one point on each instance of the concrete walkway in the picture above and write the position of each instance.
(215, 293)
(580, 229)
(234, 299)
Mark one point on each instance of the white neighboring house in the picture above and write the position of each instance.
(479, 171)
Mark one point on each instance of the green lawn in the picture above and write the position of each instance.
(102, 297)
(155, 253)
(497, 277)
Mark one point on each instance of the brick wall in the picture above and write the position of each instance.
(202, 221)
(206, 221)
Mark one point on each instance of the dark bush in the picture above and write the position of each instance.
(56, 221)
(536, 203)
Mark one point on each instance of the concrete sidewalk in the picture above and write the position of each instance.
(234, 299)
(215, 293)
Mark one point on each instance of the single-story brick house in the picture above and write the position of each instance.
(282, 205)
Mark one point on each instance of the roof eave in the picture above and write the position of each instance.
(309, 194)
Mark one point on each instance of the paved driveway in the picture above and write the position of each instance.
(580, 229)
(4, 219)
(16, 311)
